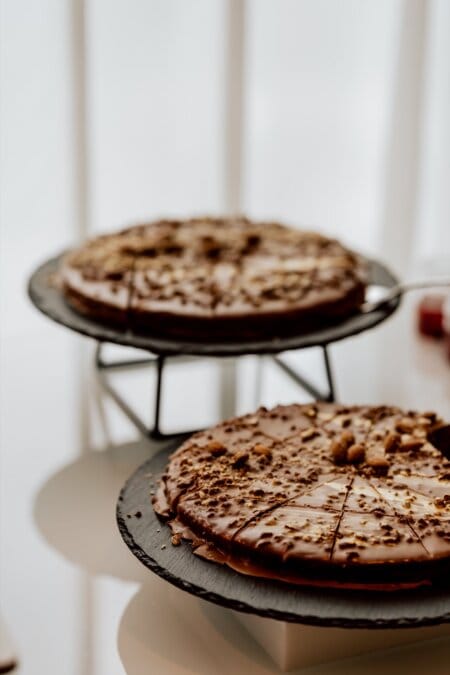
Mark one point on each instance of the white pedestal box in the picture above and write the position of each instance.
(292, 645)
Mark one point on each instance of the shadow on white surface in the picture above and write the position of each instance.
(167, 631)
(75, 508)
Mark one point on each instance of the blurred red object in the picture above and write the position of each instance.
(431, 315)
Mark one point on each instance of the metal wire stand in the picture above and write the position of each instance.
(158, 361)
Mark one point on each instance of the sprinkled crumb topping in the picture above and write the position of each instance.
(343, 486)
(215, 268)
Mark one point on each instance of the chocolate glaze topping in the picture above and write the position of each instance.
(318, 493)
(229, 276)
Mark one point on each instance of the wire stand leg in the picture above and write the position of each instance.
(331, 389)
(156, 431)
(102, 368)
(159, 361)
(305, 384)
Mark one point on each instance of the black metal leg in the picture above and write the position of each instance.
(331, 392)
(305, 384)
(102, 366)
(156, 431)
(158, 361)
(118, 365)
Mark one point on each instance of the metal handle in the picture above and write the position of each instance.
(402, 288)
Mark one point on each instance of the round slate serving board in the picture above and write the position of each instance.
(48, 298)
(149, 539)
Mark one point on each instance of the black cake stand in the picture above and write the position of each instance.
(48, 298)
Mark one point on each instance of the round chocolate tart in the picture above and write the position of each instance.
(317, 494)
(214, 276)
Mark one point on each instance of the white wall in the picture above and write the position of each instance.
(36, 146)
(328, 140)
(319, 83)
(156, 104)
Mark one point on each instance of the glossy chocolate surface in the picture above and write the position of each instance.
(344, 493)
(222, 276)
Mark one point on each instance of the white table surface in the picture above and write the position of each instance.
(75, 600)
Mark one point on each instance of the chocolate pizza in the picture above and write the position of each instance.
(321, 494)
(214, 277)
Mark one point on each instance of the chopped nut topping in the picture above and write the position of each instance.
(216, 448)
(309, 433)
(339, 448)
(411, 445)
(263, 450)
(391, 442)
(376, 458)
(347, 439)
(338, 452)
(253, 421)
(356, 453)
(240, 459)
(405, 426)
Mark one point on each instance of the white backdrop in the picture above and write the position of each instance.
(117, 110)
